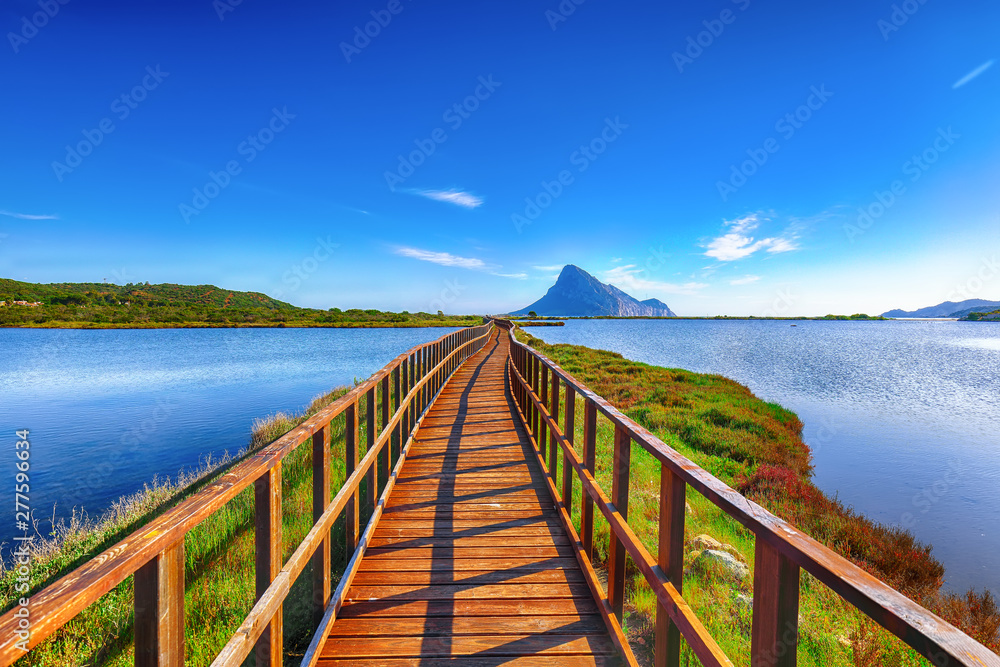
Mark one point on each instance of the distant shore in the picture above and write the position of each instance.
(244, 325)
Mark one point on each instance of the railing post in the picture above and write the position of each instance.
(553, 445)
(159, 609)
(372, 476)
(774, 629)
(386, 463)
(321, 500)
(397, 432)
(619, 496)
(568, 430)
(589, 457)
(543, 428)
(670, 558)
(351, 511)
(267, 544)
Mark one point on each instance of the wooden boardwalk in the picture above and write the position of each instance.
(469, 563)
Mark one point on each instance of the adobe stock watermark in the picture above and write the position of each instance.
(696, 44)
(915, 168)
(449, 295)
(301, 271)
(988, 270)
(562, 12)
(223, 7)
(581, 158)
(381, 18)
(454, 116)
(121, 107)
(931, 495)
(248, 150)
(899, 16)
(31, 25)
(784, 300)
(786, 126)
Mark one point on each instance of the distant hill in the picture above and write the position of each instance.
(948, 309)
(577, 293)
(105, 305)
(166, 294)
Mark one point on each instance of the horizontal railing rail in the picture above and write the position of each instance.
(781, 549)
(404, 389)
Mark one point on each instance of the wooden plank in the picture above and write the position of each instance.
(159, 610)
(475, 578)
(267, 550)
(430, 563)
(774, 628)
(462, 608)
(450, 626)
(472, 661)
(492, 645)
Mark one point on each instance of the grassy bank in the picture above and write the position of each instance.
(219, 553)
(757, 448)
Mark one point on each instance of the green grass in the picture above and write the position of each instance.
(756, 447)
(219, 571)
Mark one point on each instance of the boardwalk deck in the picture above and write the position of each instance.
(469, 562)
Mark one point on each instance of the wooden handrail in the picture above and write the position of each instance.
(154, 552)
(781, 549)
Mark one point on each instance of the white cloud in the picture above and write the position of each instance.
(737, 242)
(27, 216)
(745, 280)
(456, 197)
(972, 75)
(518, 276)
(629, 279)
(442, 258)
(554, 267)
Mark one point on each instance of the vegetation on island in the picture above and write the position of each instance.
(757, 448)
(992, 316)
(108, 306)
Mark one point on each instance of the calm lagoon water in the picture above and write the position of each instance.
(108, 410)
(903, 417)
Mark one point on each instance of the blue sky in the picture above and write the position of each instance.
(716, 155)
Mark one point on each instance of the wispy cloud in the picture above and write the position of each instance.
(456, 197)
(447, 259)
(973, 74)
(737, 242)
(745, 280)
(630, 279)
(28, 216)
(554, 267)
(442, 258)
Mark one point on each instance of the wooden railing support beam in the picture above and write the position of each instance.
(775, 627)
(159, 610)
(267, 547)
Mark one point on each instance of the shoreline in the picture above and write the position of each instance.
(83, 326)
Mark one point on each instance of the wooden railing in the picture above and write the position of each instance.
(781, 549)
(155, 552)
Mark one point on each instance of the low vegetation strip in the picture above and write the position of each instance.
(756, 447)
(145, 306)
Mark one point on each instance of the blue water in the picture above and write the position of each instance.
(108, 410)
(902, 416)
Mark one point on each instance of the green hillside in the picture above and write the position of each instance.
(103, 305)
